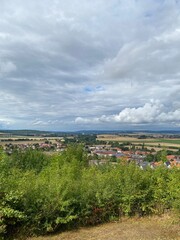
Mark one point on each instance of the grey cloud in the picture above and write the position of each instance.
(6, 68)
(151, 60)
(52, 52)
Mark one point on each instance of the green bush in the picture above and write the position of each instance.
(29, 160)
(57, 192)
(11, 212)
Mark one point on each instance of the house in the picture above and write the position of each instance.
(104, 153)
(144, 165)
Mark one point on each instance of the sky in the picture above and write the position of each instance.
(90, 65)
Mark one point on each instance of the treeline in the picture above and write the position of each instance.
(81, 138)
(43, 194)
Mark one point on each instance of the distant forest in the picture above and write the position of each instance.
(26, 132)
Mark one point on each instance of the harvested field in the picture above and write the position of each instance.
(159, 148)
(31, 138)
(147, 228)
(163, 142)
(27, 140)
(21, 142)
(116, 138)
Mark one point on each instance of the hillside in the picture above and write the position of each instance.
(42, 194)
(147, 228)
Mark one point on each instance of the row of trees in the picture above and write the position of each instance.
(42, 194)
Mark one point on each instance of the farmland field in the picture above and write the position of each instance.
(27, 140)
(161, 142)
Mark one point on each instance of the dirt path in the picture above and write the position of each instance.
(153, 228)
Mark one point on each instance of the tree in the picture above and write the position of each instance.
(29, 160)
(161, 156)
(113, 159)
(149, 158)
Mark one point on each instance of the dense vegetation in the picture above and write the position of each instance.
(42, 194)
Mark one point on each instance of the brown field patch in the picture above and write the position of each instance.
(148, 141)
(122, 139)
(116, 138)
(27, 140)
(147, 228)
(162, 144)
(160, 148)
(22, 142)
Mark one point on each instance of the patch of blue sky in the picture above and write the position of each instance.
(90, 89)
(156, 7)
(149, 14)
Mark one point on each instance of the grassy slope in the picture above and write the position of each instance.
(147, 228)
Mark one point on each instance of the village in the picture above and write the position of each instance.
(99, 152)
(105, 153)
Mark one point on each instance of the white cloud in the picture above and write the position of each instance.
(170, 116)
(86, 120)
(6, 122)
(145, 114)
(153, 112)
(38, 122)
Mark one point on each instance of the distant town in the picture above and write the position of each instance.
(145, 149)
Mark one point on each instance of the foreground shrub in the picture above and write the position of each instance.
(66, 193)
(11, 212)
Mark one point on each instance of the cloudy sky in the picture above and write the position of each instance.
(80, 64)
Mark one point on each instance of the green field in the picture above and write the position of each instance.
(172, 141)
